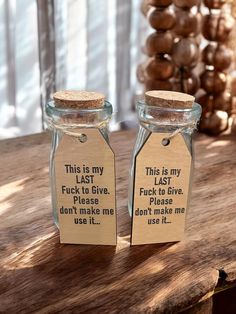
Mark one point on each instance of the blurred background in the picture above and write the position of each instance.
(50, 45)
(120, 48)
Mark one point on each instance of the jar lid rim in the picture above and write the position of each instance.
(51, 106)
(195, 107)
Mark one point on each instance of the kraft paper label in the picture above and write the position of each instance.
(85, 188)
(161, 188)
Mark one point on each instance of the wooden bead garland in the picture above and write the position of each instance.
(160, 3)
(161, 19)
(213, 4)
(216, 27)
(159, 68)
(223, 102)
(159, 43)
(185, 53)
(220, 102)
(173, 53)
(158, 85)
(186, 50)
(188, 81)
(213, 82)
(187, 23)
(185, 4)
(214, 122)
(217, 57)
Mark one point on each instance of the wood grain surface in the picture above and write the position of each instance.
(39, 275)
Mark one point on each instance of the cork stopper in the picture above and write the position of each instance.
(78, 99)
(169, 99)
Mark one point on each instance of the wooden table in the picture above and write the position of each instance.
(39, 275)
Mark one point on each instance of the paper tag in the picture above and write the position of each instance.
(161, 187)
(85, 186)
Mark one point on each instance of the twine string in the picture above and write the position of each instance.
(166, 140)
(192, 126)
(67, 128)
(174, 133)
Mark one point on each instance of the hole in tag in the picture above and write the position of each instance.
(165, 141)
(82, 138)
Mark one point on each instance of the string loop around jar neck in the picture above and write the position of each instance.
(68, 128)
(175, 129)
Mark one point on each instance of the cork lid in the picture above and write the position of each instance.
(78, 99)
(169, 99)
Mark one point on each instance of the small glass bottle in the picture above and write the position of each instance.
(159, 119)
(68, 119)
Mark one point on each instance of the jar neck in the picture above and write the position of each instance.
(71, 118)
(157, 119)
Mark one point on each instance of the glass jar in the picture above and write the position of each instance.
(162, 120)
(68, 121)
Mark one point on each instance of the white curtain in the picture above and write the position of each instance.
(66, 44)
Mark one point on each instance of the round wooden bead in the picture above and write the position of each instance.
(159, 43)
(223, 102)
(214, 123)
(233, 126)
(188, 23)
(157, 85)
(187, 82)
(159, 68)
(233, 84)
(207, 102)
(214, 4)
(210, 102)
(213, 82)
(185, 53)
(185, 3)
(217, 55)
(160, 3)
(216, 27)
(161, 19)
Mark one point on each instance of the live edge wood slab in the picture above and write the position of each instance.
(39, 275)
